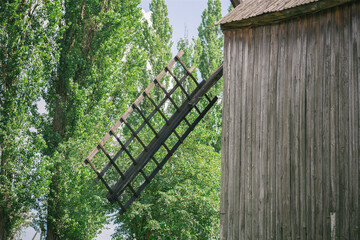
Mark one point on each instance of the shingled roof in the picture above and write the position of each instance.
(259, 12)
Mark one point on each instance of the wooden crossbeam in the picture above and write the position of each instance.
(209, 83)
(127, 113)
(164, 133)
(153, 147)
(157, 109)
(128, 180)
(166, 158)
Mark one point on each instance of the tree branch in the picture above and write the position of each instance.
(83, 9)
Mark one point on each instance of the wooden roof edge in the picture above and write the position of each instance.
(274, 17)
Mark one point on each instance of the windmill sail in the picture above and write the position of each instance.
(166, 120)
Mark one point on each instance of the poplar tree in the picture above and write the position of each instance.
(26, 54)
(211, 39)
(158, 36)
(209, 47)
(182, 201)
(89, 84)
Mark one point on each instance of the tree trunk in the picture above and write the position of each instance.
(5, 224)
(51, 233)
(53, 216)
(58, 126)
(147, 236)
(3, 232)
(2, 210)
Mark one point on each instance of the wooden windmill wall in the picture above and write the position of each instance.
(291, 121)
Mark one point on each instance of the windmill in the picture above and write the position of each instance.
(179, 112)
(290, 160)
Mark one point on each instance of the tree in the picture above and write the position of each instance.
(26, 55)
(211, 39)
(158, 36)
(210, 45)
(81, 95)
(182, 202)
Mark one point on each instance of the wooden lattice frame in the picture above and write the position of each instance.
(138, 163)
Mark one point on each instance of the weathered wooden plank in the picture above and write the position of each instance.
(264, 183)
(271, 145)
(258, 135)
(298, 93)
(232, 182)
(248, 128)
(237, 124)
(326, 134)
(343, 78)
(279, 132)
(255, 124)
(318, 125)
(302, 127)
(231, 135)
(356, 69)
(224, 226)
(286, 160)
(334, 215)
(232, 163)
(310, 127)
(356, 34)
(295, 45)
(242, 157)
(354, 118)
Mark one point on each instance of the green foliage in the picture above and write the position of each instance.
(206, 53)
(89, 86)
(210, 45)
(190, 58)
(211, 39)
(182, 202)
(157, 38)
(88, 60)
(27, 30)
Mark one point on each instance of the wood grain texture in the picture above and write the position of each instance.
(291, 128)
(225, 141)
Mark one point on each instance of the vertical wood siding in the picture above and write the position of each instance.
(291, 129)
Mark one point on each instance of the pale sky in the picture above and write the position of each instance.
(185, 18)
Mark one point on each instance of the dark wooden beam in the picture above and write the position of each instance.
(163, 134)
(235, 2)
